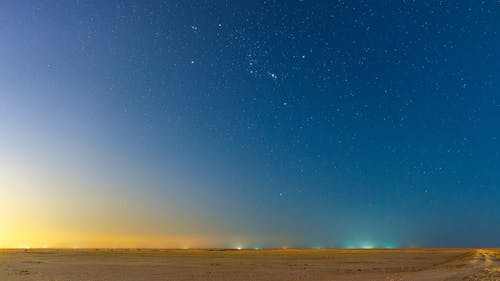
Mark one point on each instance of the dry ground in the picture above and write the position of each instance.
(268, 265)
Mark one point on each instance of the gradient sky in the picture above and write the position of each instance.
(249, 123)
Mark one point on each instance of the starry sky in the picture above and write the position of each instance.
(249, 123)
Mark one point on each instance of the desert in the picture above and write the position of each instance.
(266, 264)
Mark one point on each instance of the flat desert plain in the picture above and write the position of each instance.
(255, 265)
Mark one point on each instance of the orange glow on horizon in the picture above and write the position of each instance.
(47, 240)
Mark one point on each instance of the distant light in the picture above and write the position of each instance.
(239, 248)
(360, 245)
(367, 245)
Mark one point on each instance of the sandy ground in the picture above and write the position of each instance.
(269, 265)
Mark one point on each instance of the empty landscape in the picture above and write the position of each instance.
(265, 140)
(289, 264)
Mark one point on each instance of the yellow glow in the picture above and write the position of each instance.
(26, 240)
(36, 212)
(47, 204)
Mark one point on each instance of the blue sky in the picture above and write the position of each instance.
(215, 123)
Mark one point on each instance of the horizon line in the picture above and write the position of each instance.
(236, 249)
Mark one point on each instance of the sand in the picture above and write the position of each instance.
(268, 265)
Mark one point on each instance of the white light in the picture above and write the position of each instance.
(367, 246)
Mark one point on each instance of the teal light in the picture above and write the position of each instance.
(389, 246)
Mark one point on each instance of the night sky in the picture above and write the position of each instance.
(249, 123)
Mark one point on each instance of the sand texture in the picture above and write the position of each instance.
(268, 265)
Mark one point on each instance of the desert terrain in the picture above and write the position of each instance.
(269, 265)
